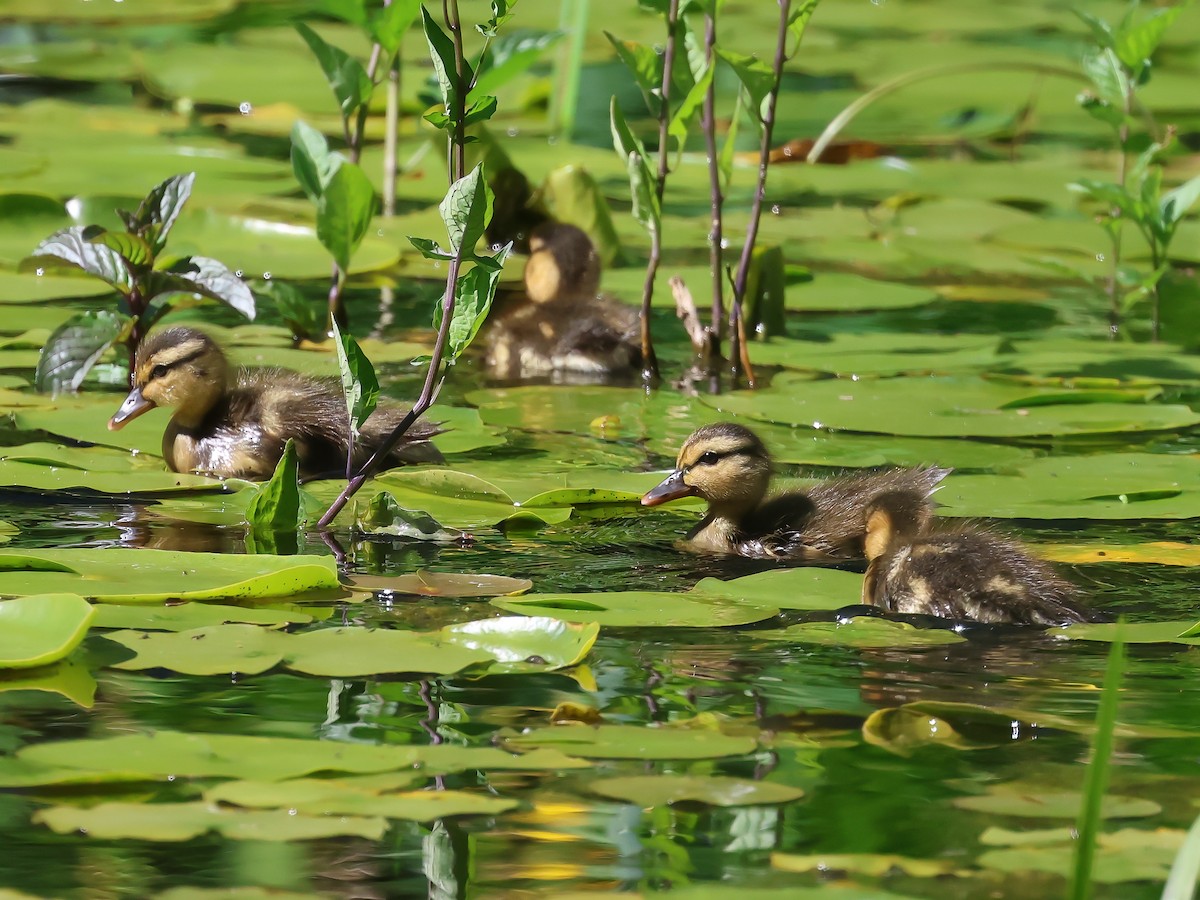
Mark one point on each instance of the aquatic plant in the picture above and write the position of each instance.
(148, 282)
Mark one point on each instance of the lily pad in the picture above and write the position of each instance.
(661, 790)
(1039, 803)
(523, 643)
(853, 355)
(946, 407)
(152, 576)
(160, 755)
(342, 798)
(69, 677)
(1161, 553)
(186, 616)
(32, 288)
(184, 821)
(635, 742)
(1098, 486)
(864, 632)
(40, 629)
(873, 864)
(442, 584)
(1131, 632)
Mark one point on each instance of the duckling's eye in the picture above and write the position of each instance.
(708, 458)
(158, 371)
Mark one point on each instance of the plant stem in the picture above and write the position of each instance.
(429, 390)
(458, 98)
(737, 353)
(649, 360)
(1114, 287)
(708, 124)
(391, 138)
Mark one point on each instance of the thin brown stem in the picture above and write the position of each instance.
(708, 124)
(391, 138)
(764, 156)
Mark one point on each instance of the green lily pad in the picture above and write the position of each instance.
(160, 755)
(864, 632)
(184, 821)
(946, 407)
(270, 794)
(28, 287)
(152, 576)
(69, 677)
(852, 355)
(345, 798)
(1039, 803)
(635, 742)
(661, 790)
(42, 628)
(526, 644)
(902, 730)
(186, 616)
(167, 11)
(1098, 486)
(1184, 632)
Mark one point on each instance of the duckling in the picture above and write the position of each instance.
(563, 325)
(729, 466)
(964, 573)
(234, 424)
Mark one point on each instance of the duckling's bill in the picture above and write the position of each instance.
(671, 488)
(135, 404)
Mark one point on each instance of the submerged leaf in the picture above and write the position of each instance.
(660, 790)
(442, 584)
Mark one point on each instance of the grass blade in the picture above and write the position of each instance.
(1181, 883)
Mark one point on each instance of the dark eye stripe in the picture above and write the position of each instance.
(162, 369)
(712, 457)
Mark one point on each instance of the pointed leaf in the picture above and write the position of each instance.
(74, 348)
(467, 210)
(441, 52)
(687, 110)
(344, 212)
(501, 11)
(132, 248)
(755, 75)
(509, 57)
(162, 206)
(360, 386)
(430, 249)
(312, 160)
(70, 249)
(473, 298)
(1136, 42)
(1176, 203)
(210, 278)
(276, 507)
(389, 25)
(345, 74)
(798, 22)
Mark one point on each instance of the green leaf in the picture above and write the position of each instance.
(676, 741)
(1185, 870)
(360, 386)
(474, 294)
(424, 583)
(1087, 824)
(74, 348)
(389, 24)
(501, 12)
(798, 22)
(646, 208)
(345, 75)
(41, 629)
(1176, 203)
(386, 516)
(430, 249)
(275, 506)
(524, 643)
(187, 616)
(1136, 42)
(157, 213)
(1036, 802)
(312, 160)
(185, 821)
(154, 576)
(71, 249)
(756, 77)
(1102, 32)
(467, 210)
(441, 52)
(662, 790)
(206, 277)
(644, 64)
(344, 213)
(304, 317)
(1108, 76)
(509, 57)
(865, 631)
(689, 108)
(132, 248)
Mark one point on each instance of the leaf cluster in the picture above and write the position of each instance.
(147, 280)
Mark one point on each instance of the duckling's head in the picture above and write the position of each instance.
(562, 264)
(893, 519)
(179, 367)
(725, 464)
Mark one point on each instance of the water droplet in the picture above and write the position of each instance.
(818, 425)
(878, 2)
(238, 273)
(39, 271)
(245, 107)
(266, 276)
(774, 209)
(1099, 257)
(292, 811)
(513, 132)
(552, 140)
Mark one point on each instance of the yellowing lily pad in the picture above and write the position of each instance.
(442, 584)
(1040, 803)
(40, 629)
(152, 576)
(873, 864)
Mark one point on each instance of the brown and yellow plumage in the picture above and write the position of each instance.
(234, 423)
(728, 465)
(562, 324)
